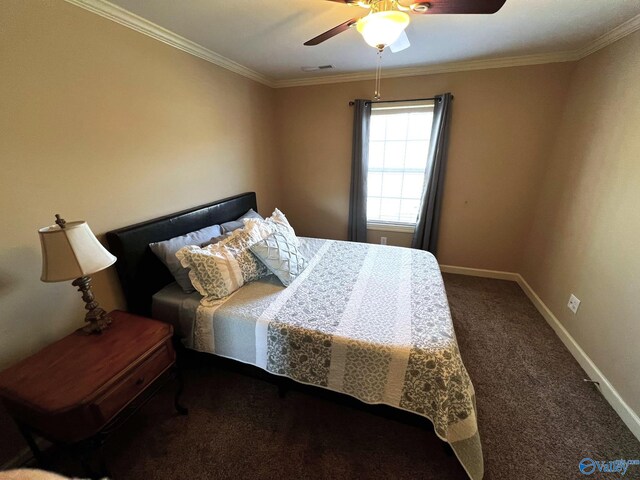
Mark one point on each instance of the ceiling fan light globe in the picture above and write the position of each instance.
(382, 28)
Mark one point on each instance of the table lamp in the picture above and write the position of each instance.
(70, 251)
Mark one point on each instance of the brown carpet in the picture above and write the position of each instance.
(537, 417)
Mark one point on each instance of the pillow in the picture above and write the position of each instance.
(281, 255)
(236, 224)
(220, 269)
(277, 222)
(214, 240)
(278, 217)
(166, 252)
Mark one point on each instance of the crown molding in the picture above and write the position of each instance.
(622, 30)
(131, 20)
(434, 69)
(124, 17)
(599, 43)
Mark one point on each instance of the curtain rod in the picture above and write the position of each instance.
(352, 103)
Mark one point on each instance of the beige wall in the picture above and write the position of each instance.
(101, 123)
(104, 124)
(586, 235)
(502, 125)
(399, 239)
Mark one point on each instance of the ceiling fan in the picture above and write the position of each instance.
(386, 21)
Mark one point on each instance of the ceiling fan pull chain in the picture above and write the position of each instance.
(376, 94)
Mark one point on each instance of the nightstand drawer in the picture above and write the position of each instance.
(135, 382)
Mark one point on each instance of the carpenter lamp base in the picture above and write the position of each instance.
(97, 319)
(96, 325)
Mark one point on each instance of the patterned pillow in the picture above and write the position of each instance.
(220, 269)
(277, 222)
(281, 255)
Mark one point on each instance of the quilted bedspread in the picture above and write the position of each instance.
(366, 320)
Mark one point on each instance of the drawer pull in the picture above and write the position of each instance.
(140, 381)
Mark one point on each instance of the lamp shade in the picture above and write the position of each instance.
(381, 29)
(71, 252)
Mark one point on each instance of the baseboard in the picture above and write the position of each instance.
(628, 416)
(624, 411)
(479, 272)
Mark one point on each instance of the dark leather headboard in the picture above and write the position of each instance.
(141, 273)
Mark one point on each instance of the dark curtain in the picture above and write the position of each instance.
(426, 233)
(359, 168)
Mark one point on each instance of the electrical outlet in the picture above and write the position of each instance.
(573, 304)
(383, 240)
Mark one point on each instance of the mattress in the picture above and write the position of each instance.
(173, 306)
(366, 320)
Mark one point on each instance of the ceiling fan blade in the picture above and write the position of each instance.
(457, 6)
(331, 33)
(402, 43)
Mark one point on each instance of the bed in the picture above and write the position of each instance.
(369, 321)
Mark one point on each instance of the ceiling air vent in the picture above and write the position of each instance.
(318, 68)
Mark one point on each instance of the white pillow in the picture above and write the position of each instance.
(281, 256)
(276, 223)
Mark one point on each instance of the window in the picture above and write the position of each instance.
(398, 149)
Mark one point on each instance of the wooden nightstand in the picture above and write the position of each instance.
(78, 389)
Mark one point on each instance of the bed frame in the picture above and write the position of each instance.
(141, 273)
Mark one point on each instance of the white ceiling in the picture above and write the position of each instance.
(267, 36)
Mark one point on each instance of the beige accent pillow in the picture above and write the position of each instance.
(220, 269)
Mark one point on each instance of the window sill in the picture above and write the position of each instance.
(391, 227)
